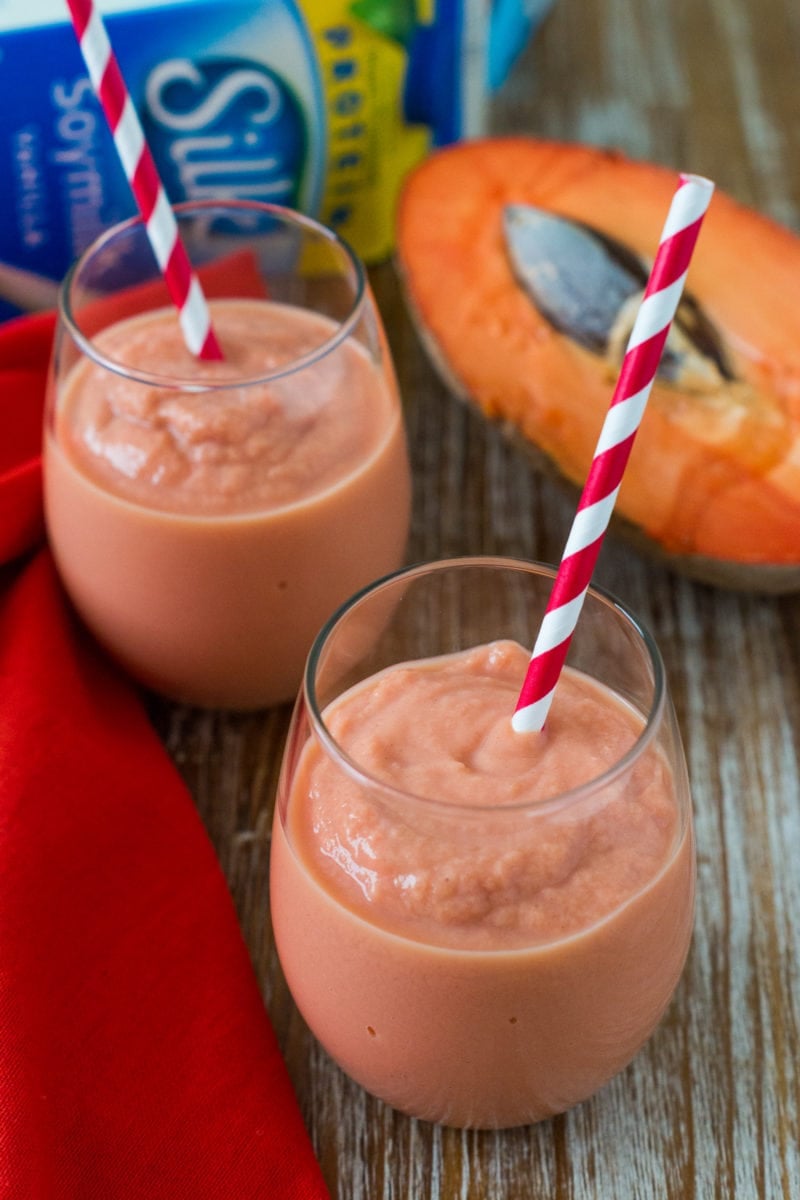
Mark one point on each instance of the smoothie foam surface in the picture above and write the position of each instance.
(231, 446)
(515, 874)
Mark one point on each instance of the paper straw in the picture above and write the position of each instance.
(661, 298)
(142, 175)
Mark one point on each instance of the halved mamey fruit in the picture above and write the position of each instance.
(713, 481)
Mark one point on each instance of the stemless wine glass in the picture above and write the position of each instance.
(480, 928)
(206, 518)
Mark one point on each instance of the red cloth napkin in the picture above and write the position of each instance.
(136, 1057)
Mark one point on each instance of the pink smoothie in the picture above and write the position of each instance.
(468, 948)
(206, 534)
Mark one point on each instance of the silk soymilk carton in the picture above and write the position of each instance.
(321, 105)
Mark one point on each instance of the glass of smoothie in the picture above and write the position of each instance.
(207, 517)
(481, 927)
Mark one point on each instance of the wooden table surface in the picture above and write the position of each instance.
(710, 1106)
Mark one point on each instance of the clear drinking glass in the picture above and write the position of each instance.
(206, 518)
(469, 954)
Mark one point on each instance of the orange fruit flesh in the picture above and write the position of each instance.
(714, 474)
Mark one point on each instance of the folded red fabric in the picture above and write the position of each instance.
(136, 1056)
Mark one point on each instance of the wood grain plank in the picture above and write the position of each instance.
(710, 1107)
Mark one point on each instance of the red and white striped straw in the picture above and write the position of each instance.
(141, 172)
(661, 298)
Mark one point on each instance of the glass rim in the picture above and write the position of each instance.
(289, 216)
(564, 799)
